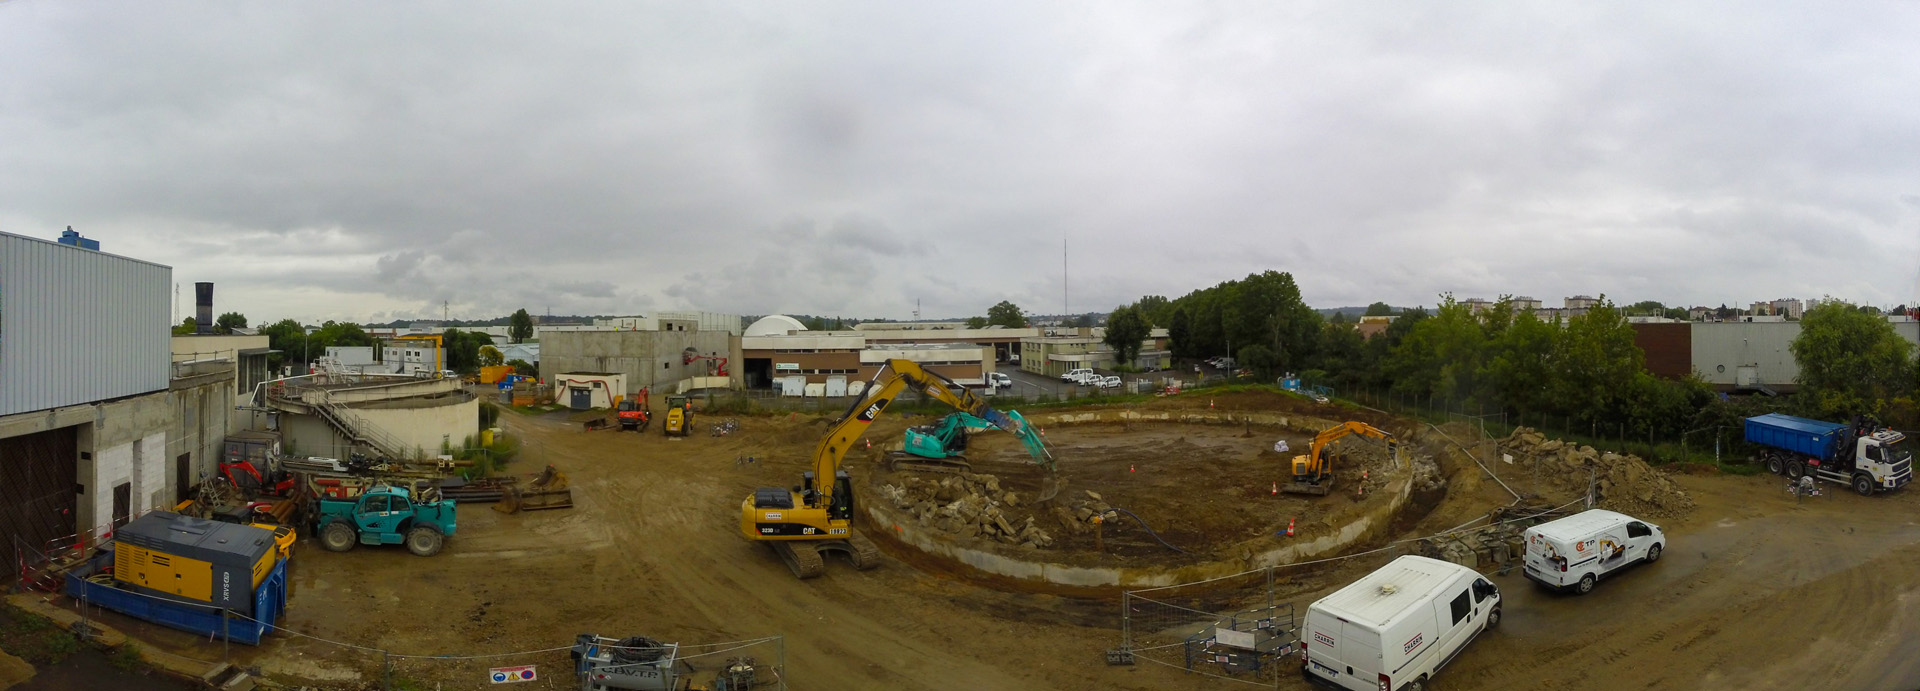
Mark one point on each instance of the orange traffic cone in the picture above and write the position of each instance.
(869, 443)
(1276, 488)
(1209, 403)
(1289, 527)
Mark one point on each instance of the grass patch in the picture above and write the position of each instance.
(127, 658)
(34, 638)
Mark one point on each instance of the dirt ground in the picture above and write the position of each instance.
(1756, 591)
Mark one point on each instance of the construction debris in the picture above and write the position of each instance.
(548, 490)
(969, 505)
(1621, 483)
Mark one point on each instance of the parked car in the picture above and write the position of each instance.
(1110, 382)
(1074, 375)
(1395, 627)
(1088, 379)
(1575, 552)
(999, 380)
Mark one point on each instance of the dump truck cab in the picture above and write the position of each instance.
(386, 515)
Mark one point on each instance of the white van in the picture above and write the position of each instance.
(1577, 551)
(1075, 375)
(1391, 630)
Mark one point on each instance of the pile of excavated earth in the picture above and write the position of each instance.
(1621, 483)
(969, 505)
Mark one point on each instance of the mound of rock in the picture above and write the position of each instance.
(1621, 483)
(969, 505)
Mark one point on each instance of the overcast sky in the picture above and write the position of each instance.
(370, 160)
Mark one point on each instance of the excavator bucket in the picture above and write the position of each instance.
(547, 491)
(1320, 490)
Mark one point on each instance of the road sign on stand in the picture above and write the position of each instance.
(508, 675)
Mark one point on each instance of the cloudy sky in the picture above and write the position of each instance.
(372, 160)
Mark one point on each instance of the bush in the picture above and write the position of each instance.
(489, 414)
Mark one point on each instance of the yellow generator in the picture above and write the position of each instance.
(194, 560)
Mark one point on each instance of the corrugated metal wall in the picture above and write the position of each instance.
(78, 326)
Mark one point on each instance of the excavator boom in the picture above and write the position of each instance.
(820, 516)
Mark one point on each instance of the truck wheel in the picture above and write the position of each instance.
(1863, 485)
(1653, 554)
(1586, 584)
(1795, 469)
(338, 537)
(1416, 685)
(424, 541)
(1493, 617)
(1775, 465)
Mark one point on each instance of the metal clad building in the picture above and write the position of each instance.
(78, 326)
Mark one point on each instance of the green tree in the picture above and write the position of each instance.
(1180, 332)
(286, 336)
(491, 356)
(1126, 329)
(1379, 309)
(187, 326)
(524, 368)
(1594, 365)
(1264, 361)
(1006, 314)
(520, 326)
(976, 322)
(1851, 360)
(226, 323)
(1157, 309)
(463, 348)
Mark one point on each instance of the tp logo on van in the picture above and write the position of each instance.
(1412, 643)
(1322, 639)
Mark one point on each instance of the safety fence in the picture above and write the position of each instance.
(1244, 628)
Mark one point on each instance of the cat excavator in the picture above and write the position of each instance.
(817, 516)
(1313, 472)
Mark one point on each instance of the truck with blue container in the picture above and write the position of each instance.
(1864, 456)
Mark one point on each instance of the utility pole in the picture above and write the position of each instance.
(1065, 305)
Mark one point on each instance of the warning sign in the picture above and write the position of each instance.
(508, 675)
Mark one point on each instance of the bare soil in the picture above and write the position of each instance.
(1757, 591)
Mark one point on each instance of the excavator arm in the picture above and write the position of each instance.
(887, 385)
(1313, 472)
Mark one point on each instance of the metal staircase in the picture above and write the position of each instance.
(356, 429)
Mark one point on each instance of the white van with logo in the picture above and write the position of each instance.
(1075, 375)
(1575, 552)
(1393, 629)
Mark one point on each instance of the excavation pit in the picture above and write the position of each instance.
(1207, 487)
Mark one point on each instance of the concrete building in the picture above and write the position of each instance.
(1373, 326)
(664, 361)
(1735, 355)
(244, 357)
(1053, 356)
(778, 350)
(96, 423)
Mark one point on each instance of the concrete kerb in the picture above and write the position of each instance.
(108, 638)
(1354, 526)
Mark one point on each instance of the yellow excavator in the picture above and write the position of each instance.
(817, 515)
(1313, 472)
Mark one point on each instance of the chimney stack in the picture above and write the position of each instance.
(203, 307)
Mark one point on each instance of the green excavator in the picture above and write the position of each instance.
(941, 446)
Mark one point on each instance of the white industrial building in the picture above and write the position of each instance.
(98, 423)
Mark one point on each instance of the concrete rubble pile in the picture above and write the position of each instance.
(969, 505)
(1621, 483)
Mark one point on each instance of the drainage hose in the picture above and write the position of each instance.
(1144, 526)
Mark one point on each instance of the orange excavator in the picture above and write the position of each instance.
(1313, 472)
(633, 412)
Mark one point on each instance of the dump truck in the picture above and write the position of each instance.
(386, 515)
(1865, 456)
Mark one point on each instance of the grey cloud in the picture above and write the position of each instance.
(354, 158)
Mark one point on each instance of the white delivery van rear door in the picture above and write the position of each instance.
(1342, 652)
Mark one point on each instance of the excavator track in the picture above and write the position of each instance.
(865, 554)
(802, 558)
(898, 461)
